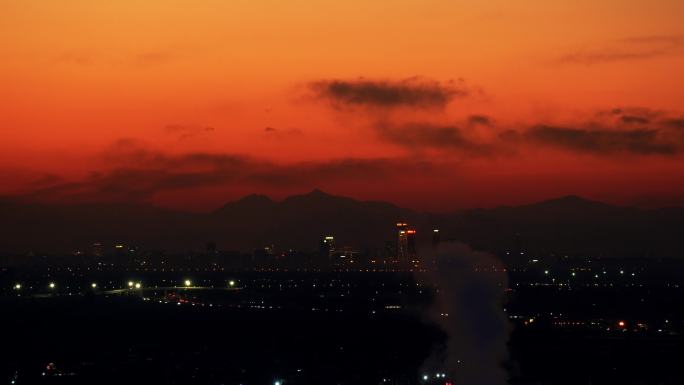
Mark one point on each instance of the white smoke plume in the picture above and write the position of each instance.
(469, 308)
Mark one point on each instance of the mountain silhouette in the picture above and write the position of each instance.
(568, 224)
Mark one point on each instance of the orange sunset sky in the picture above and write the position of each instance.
(433, 105)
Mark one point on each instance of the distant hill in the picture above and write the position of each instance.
(566, 225)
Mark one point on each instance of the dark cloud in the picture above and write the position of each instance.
(481, 120)
(597, 141)
(138, 174)
(629, 49)
(640, 112)
(633, 131)
(630, 119)
(414, 93)
(673, 123)
(641, 115)
(630, 116)
(427, 135)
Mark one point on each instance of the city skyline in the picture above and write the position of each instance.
(359, 192)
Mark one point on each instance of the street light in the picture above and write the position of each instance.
(93, 285)
(17, 286)
(138, 285)
(51, 285)
(130, 283)
(188, 282)
(231, 283)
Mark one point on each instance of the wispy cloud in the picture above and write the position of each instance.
(619, 131)
(628, 49)
(430, 136)
(139, 173)
(188, 131)
(599, 141)
(282, 133)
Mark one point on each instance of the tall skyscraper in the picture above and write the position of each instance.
(411, 243)
(402, 241)
(436, 237)
(328, 246)
(407, 255)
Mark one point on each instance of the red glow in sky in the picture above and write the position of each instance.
(433, 104)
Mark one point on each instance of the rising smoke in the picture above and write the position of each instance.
(468, 307)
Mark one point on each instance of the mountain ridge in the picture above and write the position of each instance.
(570, 224)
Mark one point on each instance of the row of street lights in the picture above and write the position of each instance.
(131, 285)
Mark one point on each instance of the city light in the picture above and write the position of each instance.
(17, 286)
(231, 283)
(51, 285)
(93, 285)
(130, 283)
(137, 285)
(425, 377)
(188, 282)
(277, 382)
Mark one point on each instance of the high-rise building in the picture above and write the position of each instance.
(436, 237)
(411, 242)
(328, 246)
(402, 241)
(412, 253)
(407, 255)
(430, 262)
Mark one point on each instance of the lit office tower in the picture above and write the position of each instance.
(411, 243)
(402, 241)
(328, 245)
(436, 239)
